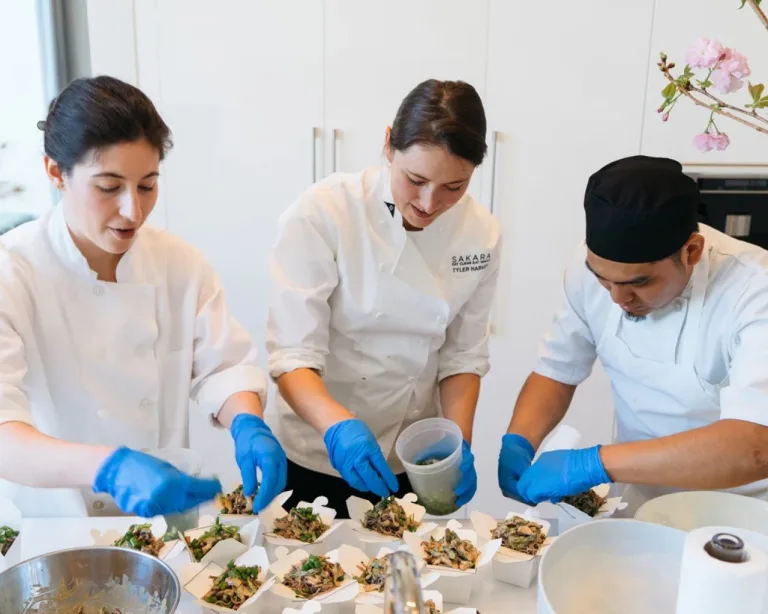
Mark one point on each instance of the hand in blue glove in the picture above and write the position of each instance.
(562, 473)
(146, 486)
(467, 486)
(515, 457)
(256, 446)
(356, 455)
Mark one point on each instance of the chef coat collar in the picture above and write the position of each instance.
(72, 258)
(448, 219)
(686, 293)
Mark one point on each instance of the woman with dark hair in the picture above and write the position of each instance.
(109, 326)
(383, 284)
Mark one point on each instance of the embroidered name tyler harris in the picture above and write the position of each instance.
(470, 262)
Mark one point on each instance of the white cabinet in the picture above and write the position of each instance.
(240, 84)
(677, 24)
(565, 93)
(375, 53)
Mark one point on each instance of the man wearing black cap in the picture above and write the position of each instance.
(677, 313)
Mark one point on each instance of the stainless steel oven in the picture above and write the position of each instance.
(736, 205)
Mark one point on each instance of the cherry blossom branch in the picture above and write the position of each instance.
(687, 89)
(716, 109)
(759, 12)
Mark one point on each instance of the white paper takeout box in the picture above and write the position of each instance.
(436, 596)
(44, 535)
(330, 600)
(10, 516)
(563, 516)
(202, 581)
(371, 540)
(308, 607)
(510, 566)
(275, 510)
(227, 549)
(351, 557)
(237, 520)
(455, 585)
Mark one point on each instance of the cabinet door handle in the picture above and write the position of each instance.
(316, 132)
(494, 149)
(336, 138)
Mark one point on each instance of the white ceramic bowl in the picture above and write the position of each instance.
(612, 566)
(692, 510)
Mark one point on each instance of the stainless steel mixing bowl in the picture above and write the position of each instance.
(96, 567)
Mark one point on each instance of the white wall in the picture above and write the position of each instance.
(22, 105)
(568, 88)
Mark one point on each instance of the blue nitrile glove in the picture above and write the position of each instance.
(256, 446)
(562, 473)
(467, 485)
(515, 457)
(146, 486)
(356, 455)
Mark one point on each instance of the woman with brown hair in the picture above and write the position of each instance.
(383, 284)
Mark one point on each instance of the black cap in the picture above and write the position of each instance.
(640, 209)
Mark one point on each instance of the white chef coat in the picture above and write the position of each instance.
(112, 363)
(382, 314)
(701, 358)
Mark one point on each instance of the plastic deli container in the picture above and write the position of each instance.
(189, 462)
(430, 451)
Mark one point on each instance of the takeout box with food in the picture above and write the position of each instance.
(576, 510)
(235, 507)
(44, 535)
(572, 511)
(307, 526)
(433, 604)
(456, 555)
(302, 576)
(308, 607)
(217, 542)
(10, 526)
(371, 572)
(385, 522)
(237, 586)
(524, 539)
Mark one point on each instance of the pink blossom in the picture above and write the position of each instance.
(720, 141)
(665, 117)
(707, 141)
(703, 141)
(704, 53)
(730, 71)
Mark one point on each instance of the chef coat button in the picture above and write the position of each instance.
(416, 413)
(379, 315)
(146, 403)
(440, 320)
(98, 290)
(98, 505)
(678, 304)
(382, 267)
(737, 339)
